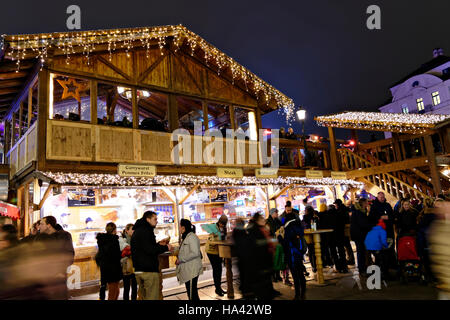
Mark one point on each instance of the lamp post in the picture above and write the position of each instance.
(301, 115)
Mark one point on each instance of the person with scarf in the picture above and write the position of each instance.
(129, 278)
(359, 227)
(189, 260)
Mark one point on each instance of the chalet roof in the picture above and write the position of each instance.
(388, 122)
(90, 179)
(20, 54)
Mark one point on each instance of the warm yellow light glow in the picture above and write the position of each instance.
(252, 126)
(301, 114)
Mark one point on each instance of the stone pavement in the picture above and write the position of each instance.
(337, 287)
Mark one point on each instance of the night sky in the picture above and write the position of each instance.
(320, 53)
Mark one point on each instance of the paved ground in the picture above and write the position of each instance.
(337, 287)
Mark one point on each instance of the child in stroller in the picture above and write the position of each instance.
(410, 266)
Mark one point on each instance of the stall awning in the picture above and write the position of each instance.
(388, 122)
(90, 179)
(9, 210)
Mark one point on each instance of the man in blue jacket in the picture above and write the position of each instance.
(376, 242)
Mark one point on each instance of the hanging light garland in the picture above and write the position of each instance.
(390, 122)
(189, 180)
(39, 45)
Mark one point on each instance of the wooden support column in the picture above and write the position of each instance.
(20, 119)
(445, 134)
(93, 93)
(30, 105)
(258, 122)
(173, 113)
(13, 130)
(435, 179)
(135, 108)
(43, 104)
(354, 135)
(232, 118)
(205, 115)
(189, 194)
(333, 150)
(283, 190)
(396, 146)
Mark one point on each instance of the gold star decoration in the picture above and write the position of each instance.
(71, 89)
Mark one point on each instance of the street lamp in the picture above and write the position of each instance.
(301, 115)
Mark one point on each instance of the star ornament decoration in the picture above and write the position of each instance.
(71, 89)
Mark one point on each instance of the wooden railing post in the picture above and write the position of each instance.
(333, 150)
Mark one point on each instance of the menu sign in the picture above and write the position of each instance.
(230, 172)
(314, 174)
(80, 197)
(266, 173)
(133, 170)
(218, 195)
(339, 175)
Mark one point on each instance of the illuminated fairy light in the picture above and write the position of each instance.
(189, 180)
(86, 41)
(393, 122)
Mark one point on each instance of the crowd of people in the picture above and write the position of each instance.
(268, 250)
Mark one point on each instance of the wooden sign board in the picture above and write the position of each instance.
(230, 172)
(314, 174)
(266, 173)
(136, 170)
(339, 175)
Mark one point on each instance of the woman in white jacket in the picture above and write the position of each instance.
(189, 261)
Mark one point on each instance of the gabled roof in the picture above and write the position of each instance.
(427, 66)
(388, 122)
(19, 53)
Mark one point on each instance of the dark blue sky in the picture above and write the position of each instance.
(319, 53)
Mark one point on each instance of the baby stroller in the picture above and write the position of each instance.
(410, 266)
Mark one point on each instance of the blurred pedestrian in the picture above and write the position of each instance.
(129, 278)
(274, 224)
(262, 252)
(189, 260)
(424, 221)
(242, 248)
(144, 253)
(212, 251)
(359, 227)
(407, 219)
(109, 256)
(33, 233)
(344, 218)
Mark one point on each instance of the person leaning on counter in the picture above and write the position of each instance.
(213, 253)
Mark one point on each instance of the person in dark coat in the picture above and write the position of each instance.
(242, 251)
(293, 232)
(262, 252)
(359, 227)
(274, 224)
(109, 256)
(344, 221)
(407, 220)
(325, 223)
(144, 253)
(381, 209)
(309, 217)
(424, 221)
(60, 242)
(339, 220)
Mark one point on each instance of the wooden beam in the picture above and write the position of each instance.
(189, 194)
(333, 149)
(20, 119)
(135, 108)
(30, 105)
(435, 179)
(13, 75)
(173, 113)
(232, 118)
(46, 194)
(113, 67)
(390, 167)
(93, 94)
(13, 131)
(205, 115)
(144, 74)
(43, 105)
(279, 193)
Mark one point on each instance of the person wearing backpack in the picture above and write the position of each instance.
(295, 248)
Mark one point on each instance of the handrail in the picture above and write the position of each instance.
(16, 144)
(408, 187)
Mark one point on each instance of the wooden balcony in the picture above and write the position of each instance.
(23, 152)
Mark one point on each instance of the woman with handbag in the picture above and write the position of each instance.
(129, 278)
(212, 250)
(189, 260)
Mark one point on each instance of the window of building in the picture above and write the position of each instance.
(436, 98)
(245, 119)
(189, 111)
(405, 109)
(420, 105)
(114, 106)
(69, 98)
(220, 117)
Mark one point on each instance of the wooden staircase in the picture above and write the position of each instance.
(395, 179)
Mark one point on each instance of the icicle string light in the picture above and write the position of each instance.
(188, 180)
(390, 122)
(39, 44)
